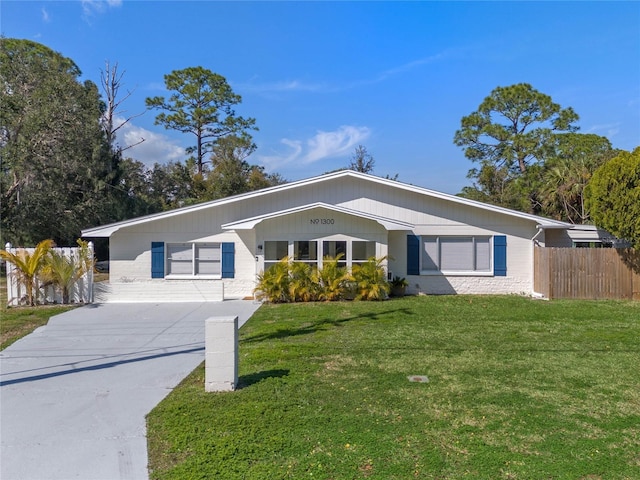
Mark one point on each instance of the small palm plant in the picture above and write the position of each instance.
(28, 266)
(60, 271)
(334, 279)
(304, 285)
(64, 271)
(370, 280)
(273, 284)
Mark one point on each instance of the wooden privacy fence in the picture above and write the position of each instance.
(80, 292)
(587, 273)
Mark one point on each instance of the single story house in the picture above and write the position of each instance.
(440, 243)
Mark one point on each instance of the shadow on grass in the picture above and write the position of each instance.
(245, 381)
(322, 324)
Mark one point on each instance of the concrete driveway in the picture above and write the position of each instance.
(74, 394)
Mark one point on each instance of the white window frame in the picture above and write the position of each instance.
(347, 260)
(194, 261)
(474, 273)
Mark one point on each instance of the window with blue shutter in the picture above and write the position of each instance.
(228, 260)
(413, 255)
(157, 259)
(500, 256)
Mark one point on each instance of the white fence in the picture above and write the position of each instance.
(80, 292)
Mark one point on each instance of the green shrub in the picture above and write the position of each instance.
(289, 281)
(304, 285)
(334, 279)
(273, 284)
(370, 280)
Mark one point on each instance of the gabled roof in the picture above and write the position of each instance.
(108, 230)
(250, 223)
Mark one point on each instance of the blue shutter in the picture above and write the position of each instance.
(157, 259)
(500, 256)
(413, 255)
(228, 259)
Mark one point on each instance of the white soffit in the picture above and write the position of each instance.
(250, 223)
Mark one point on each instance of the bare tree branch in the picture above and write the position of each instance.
(111, 81)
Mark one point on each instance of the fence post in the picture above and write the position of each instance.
(10, 276)
(90, 275)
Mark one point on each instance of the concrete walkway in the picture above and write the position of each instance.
(74, 394)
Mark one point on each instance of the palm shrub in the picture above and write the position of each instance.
(59, 270)
(288, 281)
(334, 280)
(64, 271)
(370, 280)
(28, 266)
(304, 284)
(85, 256)
(273, 284)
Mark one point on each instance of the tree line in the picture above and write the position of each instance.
(63, 169)
(530, 157)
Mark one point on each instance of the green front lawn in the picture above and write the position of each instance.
(518, 389)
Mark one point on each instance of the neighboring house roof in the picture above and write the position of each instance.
(108, 230)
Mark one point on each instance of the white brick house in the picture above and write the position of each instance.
(441, 243)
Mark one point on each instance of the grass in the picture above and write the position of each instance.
(16, 322)
(518, 389)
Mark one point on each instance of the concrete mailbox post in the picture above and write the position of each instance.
(221, 354)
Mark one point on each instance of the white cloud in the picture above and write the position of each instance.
(45, 15)
(283, 86)
(95, 7)
(608, 130)
(408, 67)
(333, 144)
(321, 146)
(301, 86)
(156, 148)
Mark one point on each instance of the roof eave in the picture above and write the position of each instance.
(108, 230)
(250, 223)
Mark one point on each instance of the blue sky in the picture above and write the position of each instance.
(321, 78)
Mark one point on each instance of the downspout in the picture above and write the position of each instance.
(534, 242)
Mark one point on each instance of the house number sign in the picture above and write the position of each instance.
(322, 221)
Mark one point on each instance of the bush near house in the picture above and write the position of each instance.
(289, 281)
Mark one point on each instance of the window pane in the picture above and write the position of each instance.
(182, 251)
(456, 254)
(362, 251)
(208, 259)
(208, 251)
(334, 248)
(276, 250)
(430, 253)
(179, 259)
(305, 250)
(483, 254)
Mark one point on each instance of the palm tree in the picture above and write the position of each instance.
(370, 280)
(28, 266)
(64, 271)
(333, 278)
(563, 190)
(60, 270)
(304, 284)
(273, 284)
